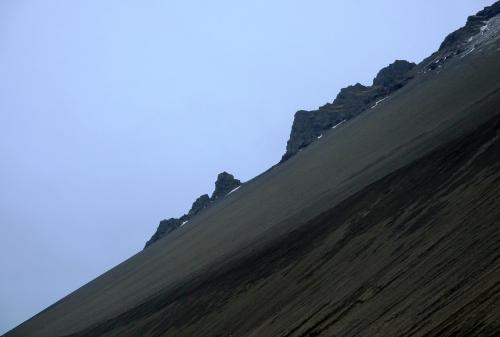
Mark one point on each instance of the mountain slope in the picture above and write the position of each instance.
(428, 267)
(386, 226)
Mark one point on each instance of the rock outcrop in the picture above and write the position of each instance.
(164, 228)
(350, 102)
(199, 204)
(224, 184)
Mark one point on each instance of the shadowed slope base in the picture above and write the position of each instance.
(415, 254)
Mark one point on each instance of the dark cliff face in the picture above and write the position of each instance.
(165, 227)
(350, 102)
(224, 184)
(199, 204)
(394, 76)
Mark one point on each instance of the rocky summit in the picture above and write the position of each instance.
(225, 184)
(351, 101)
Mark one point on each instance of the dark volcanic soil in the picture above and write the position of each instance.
(415, 254)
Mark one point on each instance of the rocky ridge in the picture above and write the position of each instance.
(351, 101)
(225, 184)
(479, 31)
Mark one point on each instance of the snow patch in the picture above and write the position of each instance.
(321, 135)
(185, 222)
(333, 127)
(379, 101)
(470, 51)
(234, 189)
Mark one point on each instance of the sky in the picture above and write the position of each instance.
(116, 114)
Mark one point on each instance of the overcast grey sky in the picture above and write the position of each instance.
(117, 114)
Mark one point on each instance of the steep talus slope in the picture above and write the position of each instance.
(384, 262)
(386, 226)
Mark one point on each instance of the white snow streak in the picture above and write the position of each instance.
(234, 189)
(379, 101)
(470, 51)
(333, 127)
